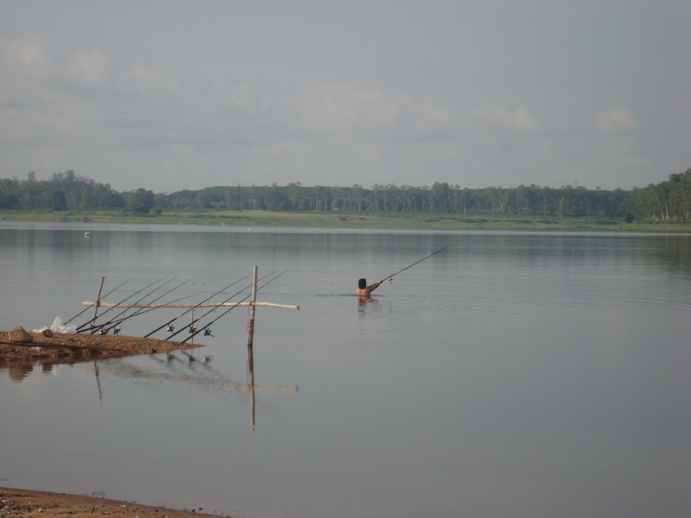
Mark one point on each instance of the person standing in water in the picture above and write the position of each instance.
(363, 291)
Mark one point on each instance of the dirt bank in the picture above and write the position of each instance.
(22, 502)
(71, 348)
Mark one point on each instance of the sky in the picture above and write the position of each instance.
(170, 95)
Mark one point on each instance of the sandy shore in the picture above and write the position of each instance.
(69, 348)
(26, 502)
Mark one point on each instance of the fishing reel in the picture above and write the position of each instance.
(207, 332)
(170, 328)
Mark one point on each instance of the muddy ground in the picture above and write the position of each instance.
(22, 502)
(72, 348)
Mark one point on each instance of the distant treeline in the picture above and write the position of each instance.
(667, 201)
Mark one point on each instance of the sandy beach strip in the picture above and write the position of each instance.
(28, 502)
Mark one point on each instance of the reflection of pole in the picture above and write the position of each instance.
(250, 324)
(98, 302)
(253, 400)
(98, 381)
(250, 347)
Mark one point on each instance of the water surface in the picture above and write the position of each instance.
(514, 374)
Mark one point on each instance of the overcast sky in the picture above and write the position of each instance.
(172, 95)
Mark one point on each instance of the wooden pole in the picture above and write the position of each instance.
(253, 399)
(98, 302)
(250, 324)
(250, 347)
(182, 306)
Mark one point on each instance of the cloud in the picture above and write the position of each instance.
(427, 116)
(616, 120)
(29, 49)
(345, 110)
(341, 108)
(27, 64)
(521, 121)
(33, 71)
(92, 69)
(149, 81)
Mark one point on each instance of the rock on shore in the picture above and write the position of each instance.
(19, 335)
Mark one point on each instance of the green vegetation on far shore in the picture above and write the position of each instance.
(344, 220)
(441, 206)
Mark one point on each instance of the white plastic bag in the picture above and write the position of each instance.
(58, 327)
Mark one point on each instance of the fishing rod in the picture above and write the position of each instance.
(121, 302)
(191, 324)
(93, 327)
(170, 322)
(92, 305)
(140, 311)
(146, 309)
(117, 319)
(195, 333)
(193, 329)
(416, 262)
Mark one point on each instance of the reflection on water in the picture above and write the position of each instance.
(18, 372)
(204, 377)
(362, 302)
(514, 375)
(199, 373)
(167, 369)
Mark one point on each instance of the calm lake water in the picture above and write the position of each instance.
(512, 375)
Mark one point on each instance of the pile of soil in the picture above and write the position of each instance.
(71, 348)
(22, 502)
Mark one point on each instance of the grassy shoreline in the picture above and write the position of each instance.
(343, 220)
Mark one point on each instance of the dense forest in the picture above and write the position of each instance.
(668, 201)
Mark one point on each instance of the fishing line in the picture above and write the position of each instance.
(140, 311)
(416, 262)
(147, 310)
(129, 306)
(191, 324)
(121, 302)
(197, 305)
(195, 333)
(92, 305)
